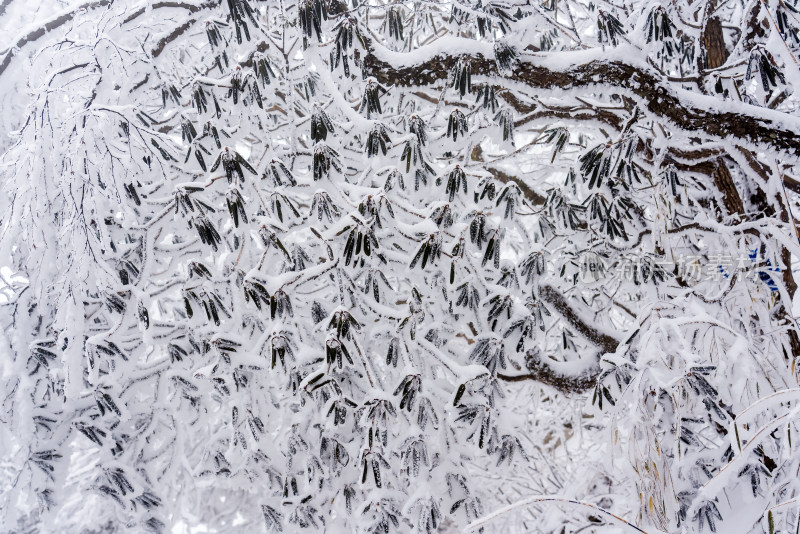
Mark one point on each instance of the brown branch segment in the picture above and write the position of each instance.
(548, 373)
(541, 371)
(725, 185)
(714, 52)
(559, 303)
(655, 94)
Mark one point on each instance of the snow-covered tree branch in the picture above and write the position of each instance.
(399, 266)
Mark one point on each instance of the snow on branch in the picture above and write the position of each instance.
(581, 72)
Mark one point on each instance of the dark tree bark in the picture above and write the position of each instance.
(712, 40)
(650, 90)
(731, 200)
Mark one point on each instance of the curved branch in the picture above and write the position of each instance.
(603, 340)
(180, 30)
(67, 16)
(48, 26)
(547, 372)
(174, 34)
(688, 111)
(191, 8)
(535, 499)
(550, 372)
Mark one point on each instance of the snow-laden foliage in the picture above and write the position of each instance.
(326, 266)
